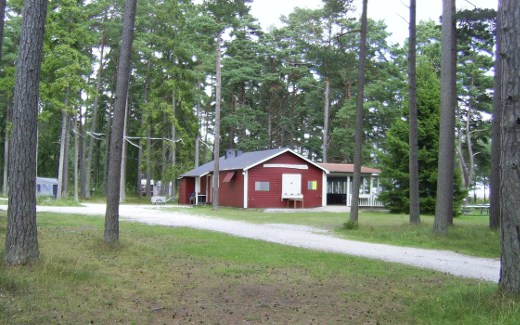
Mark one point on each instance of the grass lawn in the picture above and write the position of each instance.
(469, 235)
(162, 275)
(130, 199)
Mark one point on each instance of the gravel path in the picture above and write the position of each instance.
(303, 236)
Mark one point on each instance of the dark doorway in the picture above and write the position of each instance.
(337, 191)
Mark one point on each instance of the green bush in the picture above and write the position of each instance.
(350, 225)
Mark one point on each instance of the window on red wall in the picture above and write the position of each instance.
(262, 186)
(312, 185)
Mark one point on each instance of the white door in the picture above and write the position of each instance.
(291, 185)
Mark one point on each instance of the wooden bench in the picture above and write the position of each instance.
(294, 197)
(295, 202)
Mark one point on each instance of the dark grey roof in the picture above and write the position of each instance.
(243, 162)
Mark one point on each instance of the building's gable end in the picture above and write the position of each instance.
(265, 182)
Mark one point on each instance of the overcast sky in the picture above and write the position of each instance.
(394, 12)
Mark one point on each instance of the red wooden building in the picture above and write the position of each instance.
(276, 178)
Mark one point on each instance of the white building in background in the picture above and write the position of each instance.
(46, 186)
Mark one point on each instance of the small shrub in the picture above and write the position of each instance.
(350, 225)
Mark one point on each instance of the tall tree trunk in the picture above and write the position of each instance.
(469, 147)
(415, 217)
(139, 172)
(21, 240)
(446, 175)
(8, 119)
(232, 129)
(97, 169)
(326, 121)
(139, 187)
(122, 186)
(358, 135)
(292, 116)
(164, 161)
(114, 162)
(216, 148)
(93, 122)
(509, 66)
(462, 164)
(76, 159)
(81, 153)
(270, 123)
(62, 167)
(2, 23)
(173, 149)
(144, 118)
(494, 199)
(108, 132)
(197, 139)
(65, 193)
(206, 127)
(197, 151)
(8, 113)
(148, 163)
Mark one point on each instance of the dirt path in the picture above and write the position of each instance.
(307, 237)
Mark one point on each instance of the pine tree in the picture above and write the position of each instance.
(116, 139)
(509, 66)
(412, 118)
(395, 158)
(445, 191)
(22, 236)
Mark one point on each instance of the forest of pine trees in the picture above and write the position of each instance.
(272, 88)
